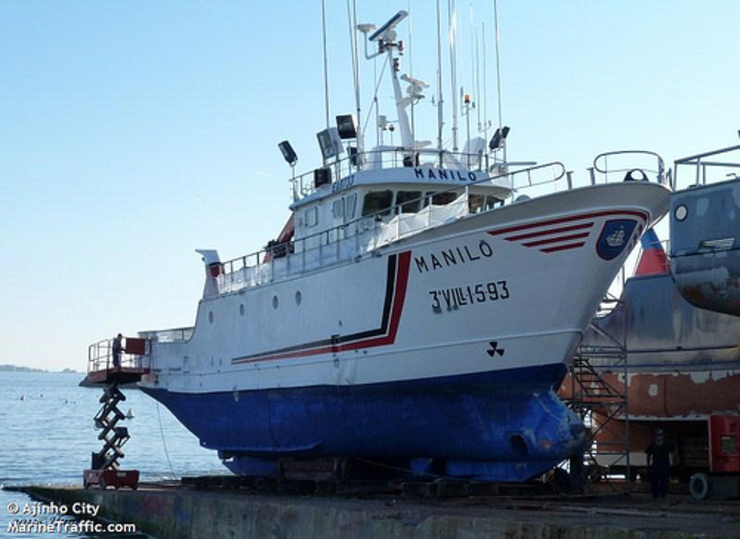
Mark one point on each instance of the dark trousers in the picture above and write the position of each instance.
(659, 482)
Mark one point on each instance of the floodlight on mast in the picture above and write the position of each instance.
(288, 153)
(291, 158)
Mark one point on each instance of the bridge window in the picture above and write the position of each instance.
(479, 203)
(442, 199)
(409, 201)
(475, 203)
(377, 202)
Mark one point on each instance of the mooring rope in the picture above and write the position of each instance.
(164, 443)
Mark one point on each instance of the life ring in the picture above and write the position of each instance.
(699, 486)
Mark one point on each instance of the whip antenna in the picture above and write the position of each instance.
(498, 67)
(326, 62)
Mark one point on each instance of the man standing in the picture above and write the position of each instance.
(659, 464)
(117, 349)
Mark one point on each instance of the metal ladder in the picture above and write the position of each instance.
(600, 401)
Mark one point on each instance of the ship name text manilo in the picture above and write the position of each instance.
(451, 257)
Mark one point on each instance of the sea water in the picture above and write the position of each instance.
(47, 436)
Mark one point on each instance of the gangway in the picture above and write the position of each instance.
(111, 376)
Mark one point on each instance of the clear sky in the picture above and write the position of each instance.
(136, 132)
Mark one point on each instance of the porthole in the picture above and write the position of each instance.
(681, 213)
(275, 302)
(241, 309)
(210, 317)
(298, 297)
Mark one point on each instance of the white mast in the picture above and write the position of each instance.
(356, 74)
(479, 94)
(498, 71)
(470, 98)
(385, 36)
(452, 15)
(326, 62)
(440, 103)
(484, 100)
(407, 136)
(411, 63)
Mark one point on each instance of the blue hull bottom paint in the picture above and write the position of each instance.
(498, 426)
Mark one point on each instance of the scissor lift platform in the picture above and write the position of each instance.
(119, 375)
(103, 372)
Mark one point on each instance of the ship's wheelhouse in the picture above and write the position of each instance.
(382, 202)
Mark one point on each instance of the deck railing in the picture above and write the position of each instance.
(392, 157)
(612, 165)
(366, 234)
(707, 167)
(167, 335)
(100, 355)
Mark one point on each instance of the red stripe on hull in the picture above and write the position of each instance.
(549, 232)
(591, 215)
(557, 239)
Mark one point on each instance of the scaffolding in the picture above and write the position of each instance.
(600, 399)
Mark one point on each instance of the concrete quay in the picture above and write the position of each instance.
(179, 512)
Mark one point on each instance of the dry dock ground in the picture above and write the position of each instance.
(175, 512)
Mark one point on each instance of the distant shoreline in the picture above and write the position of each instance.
(16, 368)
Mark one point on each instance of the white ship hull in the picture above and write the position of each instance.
(483, 313)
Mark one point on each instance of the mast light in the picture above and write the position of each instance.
(499, 138)
(330, 143)
(288, 153)
(346, 126)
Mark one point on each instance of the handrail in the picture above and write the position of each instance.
(167, 335)
(359, 236)
(661, 164)
(487, 179)
(701, 166)
(367, 233)
(528, 172)
(100, 357)
(392, 157)
(699, 156)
